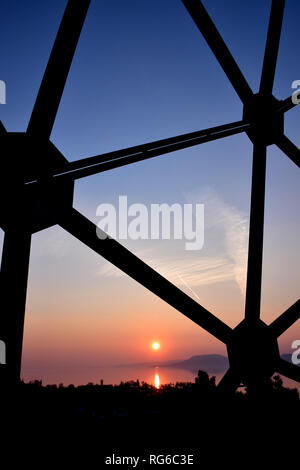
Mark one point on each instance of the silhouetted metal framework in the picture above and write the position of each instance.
(40, 195)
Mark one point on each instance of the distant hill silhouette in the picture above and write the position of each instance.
(211, 363)
(287, 357)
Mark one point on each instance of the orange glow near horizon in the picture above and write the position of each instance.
(156, 381)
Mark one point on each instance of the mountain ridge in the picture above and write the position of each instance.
(211, 363)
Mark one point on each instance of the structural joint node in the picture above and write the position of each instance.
(265, 119)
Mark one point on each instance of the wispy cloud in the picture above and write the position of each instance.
(54, 243)
(223, 259)
(232, 226)
(236, 232)
(182, 271)
(205, 270)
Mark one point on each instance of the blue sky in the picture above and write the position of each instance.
(141, 72)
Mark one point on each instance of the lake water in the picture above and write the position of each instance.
(109, 375)
(114, 375)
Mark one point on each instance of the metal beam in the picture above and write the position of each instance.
(219, 48)
(256, 232)
(272, 47)
(57, 70)
(85, 231)
(286, 319)
(13, 286)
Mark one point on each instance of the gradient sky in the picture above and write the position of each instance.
(141, 72)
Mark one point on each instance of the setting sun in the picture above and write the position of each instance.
(155, 345)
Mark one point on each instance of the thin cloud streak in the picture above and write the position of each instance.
(233, 228)
(227, 263)
(181, 271)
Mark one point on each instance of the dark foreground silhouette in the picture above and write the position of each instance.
(134, 418)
